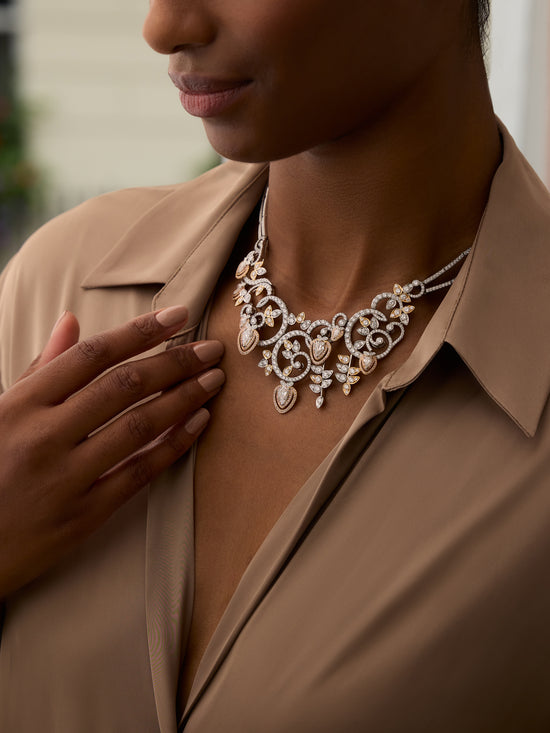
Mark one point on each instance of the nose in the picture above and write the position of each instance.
(173, 24)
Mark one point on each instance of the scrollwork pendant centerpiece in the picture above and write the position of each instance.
(296, 348)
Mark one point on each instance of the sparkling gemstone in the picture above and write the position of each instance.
(284, 397)
(395, 313)
(341, 378)
(242, 269)
(353, 380)
(320, 350)
(248, 339)
(346, 389)
(368, 363)
(287, 371)
(343, 359)
(319, 402)
(326, 383)
(268, 370)
(316, 388)
(316, 378)
(301, 317)
(267, 354)
(365, 322)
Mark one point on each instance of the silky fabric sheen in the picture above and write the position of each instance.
(403, 590)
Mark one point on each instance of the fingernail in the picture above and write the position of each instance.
(211, 380)
(56, 324)
(208, 351)
(197, 421)
(176, 314)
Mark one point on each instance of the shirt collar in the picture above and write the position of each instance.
(495, 315)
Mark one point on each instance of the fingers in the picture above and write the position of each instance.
(133, 382)
(142, 425)
(121, 483)
(64, 335)
(75, 368)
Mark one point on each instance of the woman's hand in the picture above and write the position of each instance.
(68, 458)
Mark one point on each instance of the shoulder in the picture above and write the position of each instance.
(138, 234)
(86, 233)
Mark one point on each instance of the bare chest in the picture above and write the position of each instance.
(250, 464)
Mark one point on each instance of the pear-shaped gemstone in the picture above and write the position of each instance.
(248, 339)
(320, 350)
(284, 397)
(368, 363)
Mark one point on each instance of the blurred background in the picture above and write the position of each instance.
(86, 107)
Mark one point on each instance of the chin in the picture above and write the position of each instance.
(247, 146)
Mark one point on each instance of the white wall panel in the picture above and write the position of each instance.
(106, 115)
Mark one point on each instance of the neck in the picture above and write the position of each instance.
(389, 203)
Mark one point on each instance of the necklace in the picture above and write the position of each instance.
(295, 347)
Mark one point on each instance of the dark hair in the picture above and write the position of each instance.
(482, 11)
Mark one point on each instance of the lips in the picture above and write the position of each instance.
(204, 96)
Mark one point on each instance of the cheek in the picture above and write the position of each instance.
(319, 74)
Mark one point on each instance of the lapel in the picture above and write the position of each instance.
(284, 539)
(184, 244)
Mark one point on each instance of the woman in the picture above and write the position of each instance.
(356, 541)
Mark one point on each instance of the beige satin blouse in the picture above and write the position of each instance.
(404, 590)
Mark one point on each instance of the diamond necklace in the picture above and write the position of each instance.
(300, 348)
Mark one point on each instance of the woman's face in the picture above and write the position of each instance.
(272, 78)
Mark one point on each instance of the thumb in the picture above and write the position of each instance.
(64, 334)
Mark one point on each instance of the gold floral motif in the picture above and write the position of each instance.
(255, 270)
